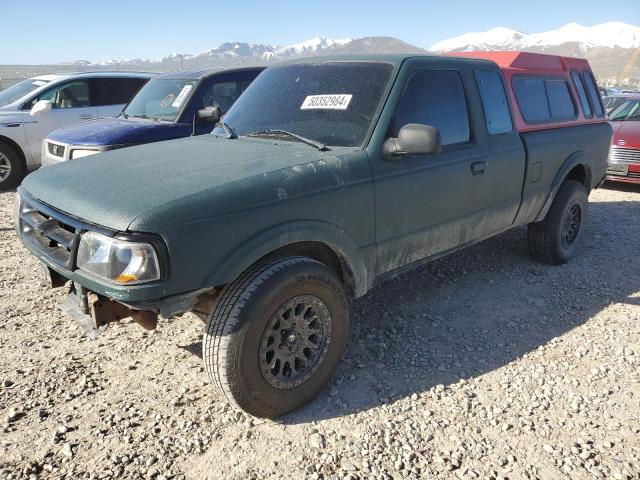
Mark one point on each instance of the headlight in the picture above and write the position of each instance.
(82, 153)
(117, 260)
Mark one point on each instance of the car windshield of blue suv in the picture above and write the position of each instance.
(331, 103)
(19, 90)
(628, 111)
(160, 99)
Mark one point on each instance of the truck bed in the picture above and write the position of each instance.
(551, 155)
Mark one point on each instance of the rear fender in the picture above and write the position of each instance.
(574, 160)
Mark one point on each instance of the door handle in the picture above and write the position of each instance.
(86, 116)
(478, 167)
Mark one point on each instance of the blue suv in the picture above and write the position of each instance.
(169, 106)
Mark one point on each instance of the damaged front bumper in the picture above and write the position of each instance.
(94, 312)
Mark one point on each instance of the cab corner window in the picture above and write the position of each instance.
(436, 98)
(494, 102)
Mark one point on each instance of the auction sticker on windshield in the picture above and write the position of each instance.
(167, 100)
(181, 96)
(326, 102)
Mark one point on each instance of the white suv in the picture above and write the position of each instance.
(33, 108)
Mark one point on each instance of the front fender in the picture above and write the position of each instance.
(574, 160)
(265, 242)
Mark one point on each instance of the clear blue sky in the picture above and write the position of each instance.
(50, 31)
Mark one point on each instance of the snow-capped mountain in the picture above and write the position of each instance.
(607, 35)
(498, 38)
(610, 47)
(233, 53)
(312, 45)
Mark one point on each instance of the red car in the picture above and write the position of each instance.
(624, 156)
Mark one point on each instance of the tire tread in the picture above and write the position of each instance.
(225, 319)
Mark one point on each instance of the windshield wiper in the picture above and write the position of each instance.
(228, 129)
(141, 115)
(275, 131)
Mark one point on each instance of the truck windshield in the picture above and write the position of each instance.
(160, 99)
(19, 90)
(330, 103)
(628, 111)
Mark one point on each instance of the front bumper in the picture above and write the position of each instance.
(53, 239)
(623, 164)
(623, 172)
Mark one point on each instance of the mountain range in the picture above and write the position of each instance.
(613, 49)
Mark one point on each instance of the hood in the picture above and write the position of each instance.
(626, 134)
(118, 131)
(148, 187)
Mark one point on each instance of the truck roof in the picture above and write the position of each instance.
(200, 73)
(393, 58)
(513, 65)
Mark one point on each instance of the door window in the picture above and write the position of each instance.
(115, 91)
(436, 98)
(224, 94)
(68, 95)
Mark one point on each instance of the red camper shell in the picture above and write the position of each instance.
(547, 91)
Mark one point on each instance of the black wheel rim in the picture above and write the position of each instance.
(295, 341)
(571, 225)
(5, 167)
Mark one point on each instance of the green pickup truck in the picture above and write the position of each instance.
(327, 176)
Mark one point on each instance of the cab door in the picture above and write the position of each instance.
(428, 204)
(70, 103)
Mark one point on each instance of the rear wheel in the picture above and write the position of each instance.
(11, 168)
(276, 335)
(557, 238)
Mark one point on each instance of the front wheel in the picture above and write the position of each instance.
(276, 335)
(11, 168)
(556, 239)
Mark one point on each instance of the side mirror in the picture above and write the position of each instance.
(210, 114)
(413, 139)
(40, 107)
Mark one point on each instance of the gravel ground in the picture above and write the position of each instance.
(481, 365)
